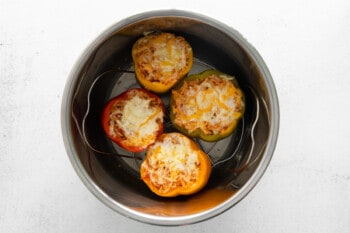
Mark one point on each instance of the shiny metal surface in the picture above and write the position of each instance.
(238, 161)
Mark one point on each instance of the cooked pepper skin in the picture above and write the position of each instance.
(156, 62)
(204, 168)
(118, 137)
(198, 133)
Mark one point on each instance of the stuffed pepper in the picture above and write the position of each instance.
(134, 119)
(208, 105)
(160, 60)
(175, 165)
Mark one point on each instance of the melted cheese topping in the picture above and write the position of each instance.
(138, 120)
(171, 163)
(162, 57)
(210, 105)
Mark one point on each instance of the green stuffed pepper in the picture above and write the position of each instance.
(207, 105)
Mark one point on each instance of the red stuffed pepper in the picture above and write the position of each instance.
(134, 119)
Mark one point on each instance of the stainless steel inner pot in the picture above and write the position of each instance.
(105, 69)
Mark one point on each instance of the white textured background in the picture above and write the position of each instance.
(306, 45)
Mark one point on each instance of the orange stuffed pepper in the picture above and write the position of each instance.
(160, 60)
(175, 165)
